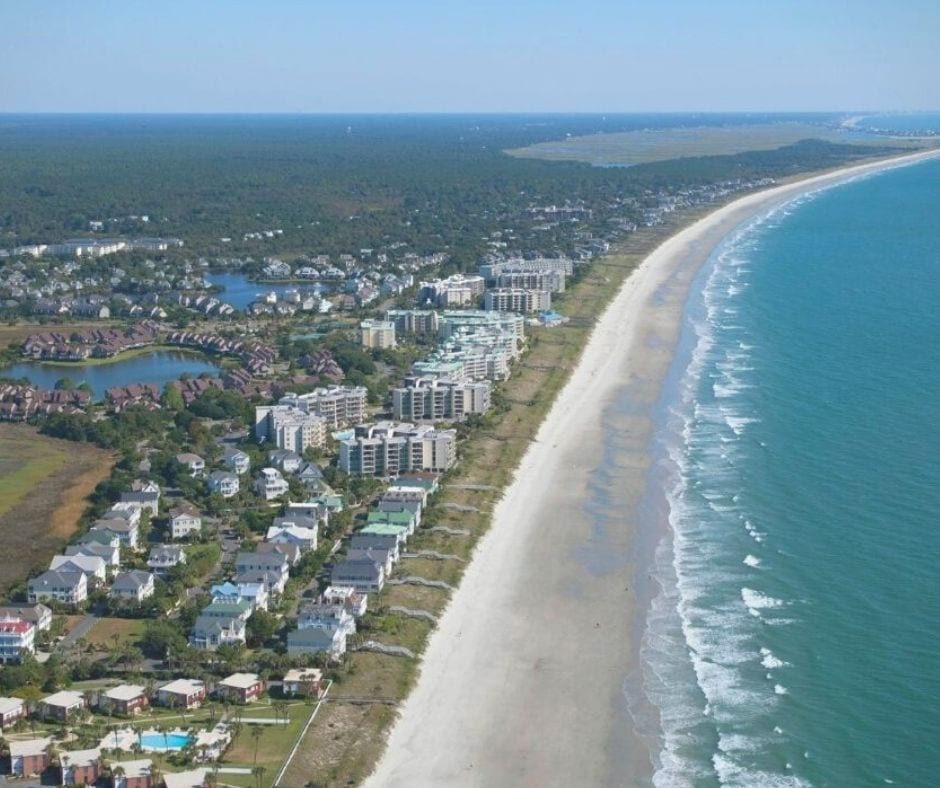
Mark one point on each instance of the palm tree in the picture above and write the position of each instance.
(256, 735)
(117, 772)
(258, 772)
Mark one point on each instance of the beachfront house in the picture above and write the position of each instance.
(364, 574)
(303, 682)
(270, 484)
(315, 641)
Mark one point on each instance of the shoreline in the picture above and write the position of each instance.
(523, 679)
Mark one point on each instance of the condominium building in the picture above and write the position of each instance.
(339, 405)
(456, 290)
(414, 321)
(387, 449)
(514, 299)
(476, 322)
(554, 281)
(439, 399)
(290, 427)
(377, 333)
(562, 265)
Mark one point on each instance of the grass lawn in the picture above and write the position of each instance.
(270, 749)
(44, 484)
(127, 630)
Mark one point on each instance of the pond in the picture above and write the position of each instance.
(160, 367)
(239, 291)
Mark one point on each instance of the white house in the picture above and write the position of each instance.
(91, 565)
(163, 557)
(111, 553)
(184, 521)
(17, 637)
(133, 586)
(288, 533)
(69, 588)
(193, 463)
(11, 710)
(236, 460)
(270, 484)
(224, 483)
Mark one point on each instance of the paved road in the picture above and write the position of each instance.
(79, 632)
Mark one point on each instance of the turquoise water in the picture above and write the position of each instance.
(795, 637)
(161, 742)
(158, 367)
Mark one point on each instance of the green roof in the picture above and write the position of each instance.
(403, 518)
(226, 608)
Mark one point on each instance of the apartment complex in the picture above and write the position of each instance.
(491, 271)
(439, 399)
(339, 405)
(388, 449)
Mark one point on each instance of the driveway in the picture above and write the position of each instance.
(81, 629)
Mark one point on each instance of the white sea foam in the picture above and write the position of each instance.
(758, 601)
(779, 689)
(769, 661)
(752, 561)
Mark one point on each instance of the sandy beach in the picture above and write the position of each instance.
(523, 680)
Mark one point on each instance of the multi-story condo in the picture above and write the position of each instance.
(414, 321)
(337, 406)
(290, 428)
(456, 290)
(439, 399)
(377, 333)
(475, 322)
(562, 265)
(387, 449)
(532, 280)
(512, 299)
(16, 638)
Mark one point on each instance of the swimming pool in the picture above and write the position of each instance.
(160, 742)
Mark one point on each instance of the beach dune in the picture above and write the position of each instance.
(523, 681)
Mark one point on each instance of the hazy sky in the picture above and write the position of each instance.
(467, 55)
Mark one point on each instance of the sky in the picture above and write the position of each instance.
(468, 55)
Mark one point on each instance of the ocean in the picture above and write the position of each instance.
(793, 639)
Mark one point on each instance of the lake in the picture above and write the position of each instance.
(160, 367)
(240, 291)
